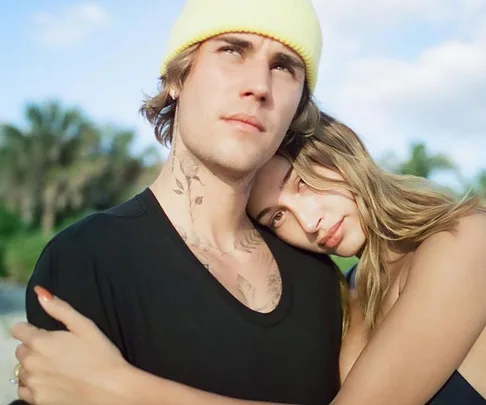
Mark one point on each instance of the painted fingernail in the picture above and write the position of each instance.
(43, 294)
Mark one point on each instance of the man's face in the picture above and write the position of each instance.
(238, 101)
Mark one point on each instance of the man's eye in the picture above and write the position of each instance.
(283, 67)
(277, 218)
(231, 50)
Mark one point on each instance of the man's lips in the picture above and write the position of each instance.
(246, 119)
(330, 232)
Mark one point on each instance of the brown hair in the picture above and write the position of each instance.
(160, 109)
(397, 212)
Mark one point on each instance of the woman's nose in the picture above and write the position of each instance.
(309, 221)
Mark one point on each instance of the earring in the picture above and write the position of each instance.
(173, 94)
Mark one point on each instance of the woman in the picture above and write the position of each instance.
(417, 330)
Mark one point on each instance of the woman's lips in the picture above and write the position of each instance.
(333, 236)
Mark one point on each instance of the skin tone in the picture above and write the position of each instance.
(219, 143)
(281, 201)
(434, 323)
(305, 217)
(424, 337)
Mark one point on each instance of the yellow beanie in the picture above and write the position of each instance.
(292, 22)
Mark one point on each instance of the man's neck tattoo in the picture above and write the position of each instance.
(189, 174)
(248, 244)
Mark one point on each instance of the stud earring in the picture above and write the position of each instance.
(173, 94)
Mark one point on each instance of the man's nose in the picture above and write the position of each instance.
(257, 81)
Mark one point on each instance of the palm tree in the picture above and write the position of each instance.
(15, 173)
(62, 164)
(422, 164)
(49, 163)
(125, 172)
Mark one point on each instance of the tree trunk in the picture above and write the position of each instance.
(48, 217)
(27, 207)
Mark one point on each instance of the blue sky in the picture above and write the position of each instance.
(396, 71)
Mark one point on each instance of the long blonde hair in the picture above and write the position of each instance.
(397, 212)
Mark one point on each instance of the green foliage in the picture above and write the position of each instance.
(480, 185)
(10, 224)
(22, 249)
(345, 263)
(62, 164)
(423, 164)
(21, 254)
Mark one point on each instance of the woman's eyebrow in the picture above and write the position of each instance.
(286, 178)
(263, 212)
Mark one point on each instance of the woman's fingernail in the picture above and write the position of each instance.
(43, 294)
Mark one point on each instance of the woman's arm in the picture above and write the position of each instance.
(427, 334)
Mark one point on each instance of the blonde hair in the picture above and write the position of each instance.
(397, 212)
(160, 109)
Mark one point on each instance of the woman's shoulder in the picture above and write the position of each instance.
(461, 249)
(469, 233)
(472, 225)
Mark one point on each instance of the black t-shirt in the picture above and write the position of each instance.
(129, 271)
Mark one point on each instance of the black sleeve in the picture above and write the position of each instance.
(69, 271)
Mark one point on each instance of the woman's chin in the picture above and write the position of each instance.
(345, 251)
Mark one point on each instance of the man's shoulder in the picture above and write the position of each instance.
(106, 222)
(98, 242)
(111, 224)
(293, 255)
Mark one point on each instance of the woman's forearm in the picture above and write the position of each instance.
(136, 386)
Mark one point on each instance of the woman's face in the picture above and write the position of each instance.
(320, 221)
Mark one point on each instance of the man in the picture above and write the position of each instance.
(179, 278)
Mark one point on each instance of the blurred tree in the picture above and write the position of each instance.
(124, 171)
(62, 164)
(481, 183)
(421, 163)
(10, 224)
(48, 164)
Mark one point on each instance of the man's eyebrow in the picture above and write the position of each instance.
(283, 57)
(235, 41)
(283, 183)
(290, 60)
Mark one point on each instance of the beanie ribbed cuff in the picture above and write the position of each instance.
(291, 22)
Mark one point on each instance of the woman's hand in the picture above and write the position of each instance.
(77, 366)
